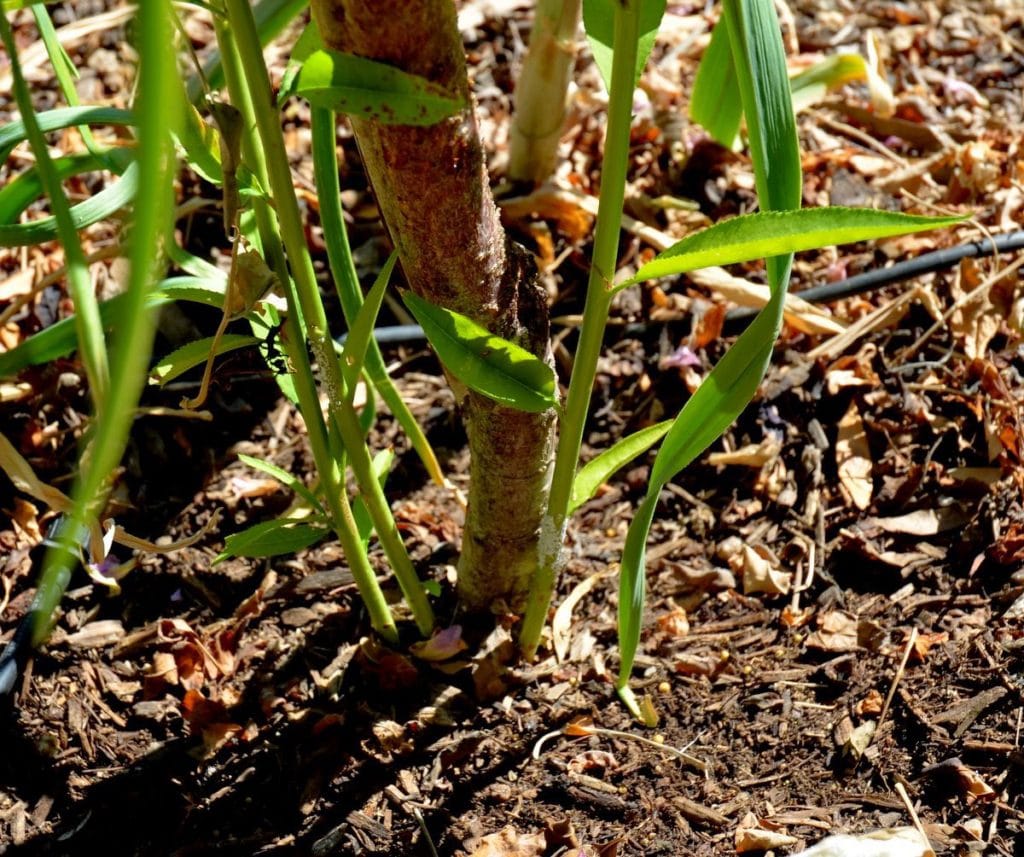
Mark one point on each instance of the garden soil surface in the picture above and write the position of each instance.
(834, 634)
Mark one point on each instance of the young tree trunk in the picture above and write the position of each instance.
(432, 187)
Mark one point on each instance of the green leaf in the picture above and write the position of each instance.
(194, 354)
(287, 479)
(760, 65)
(99, 207)
(366, 89)
(309, 41)
(599, 22)
(354, 353)
(598, 470)
(382, 463)
(774, 233)
(633, 585)
(715, 99)
(13, 133)
(21, 192)
(494, 367)
(273, 538)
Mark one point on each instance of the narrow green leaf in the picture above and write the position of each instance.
(21, 192)
(13, 133)
(599, 22)
(106, 203)
(354, 353)
(715, 100)
(633, 586)
(760, 67)
(760, 64)
(598, 470)
(194, 354)
(290, 480)
(367, 89)
(59, 339)
(494, 367)
(274, 538)
(774, 233)
(382, 464)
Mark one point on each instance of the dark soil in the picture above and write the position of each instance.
(834, 631)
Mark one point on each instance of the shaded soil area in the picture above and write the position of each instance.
(834, 635)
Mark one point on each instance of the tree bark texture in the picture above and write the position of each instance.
(432, 188)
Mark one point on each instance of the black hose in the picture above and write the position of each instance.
(926, 263)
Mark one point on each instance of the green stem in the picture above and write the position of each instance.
(327, 458)
(343, 271)
(91, 341)
(306, 293)
(595, 317)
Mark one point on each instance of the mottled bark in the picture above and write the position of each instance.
(432, 187)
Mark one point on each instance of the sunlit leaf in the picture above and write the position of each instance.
(715, 99)
(287, 479)
(774, 233)
(274, 538)
(598, 470)
(599, 22)
(194, 354)
(488, 364)
(367, 89)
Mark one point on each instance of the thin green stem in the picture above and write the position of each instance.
(326, 453)
(307, 295)
(157, 110)
(595, 317)
(91, 341)
(343, 271)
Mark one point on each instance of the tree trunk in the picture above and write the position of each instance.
(432, 187)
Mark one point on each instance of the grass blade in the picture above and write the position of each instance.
(354, 353)
(599, 22)
(99, 207)
(598, 470)
(488, 364)
(91, 342)
(285, 478)
(13, 133)
(273, 538)
(196, 353)
(715, 100)
(774, 233)
(761, 72)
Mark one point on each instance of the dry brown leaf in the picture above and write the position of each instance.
(561, 622)
(837, 632)
(752, 455)
(96, 635)
(752, 836)
(508, 842)
(870, 705)
(26, 517)
(974, 787)
(923, 644)
(853, 458)
(762, 574)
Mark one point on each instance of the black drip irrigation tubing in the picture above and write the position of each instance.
(926, 263)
